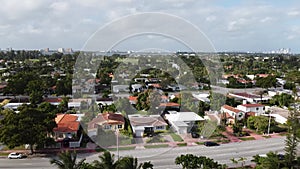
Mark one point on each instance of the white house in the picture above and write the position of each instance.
(233, 112)
(146, 124)
(258, 109)
(182, 122)
(251, 98)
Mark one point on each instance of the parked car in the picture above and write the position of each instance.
(195, 135)
(210, 143)
(16, 155)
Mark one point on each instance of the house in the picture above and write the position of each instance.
(132, 99)
(232, 112)
(105, 121)
(251, 98)
(67, 126)
(68, 131)
(258, 109)
(54, 100)
(104, 101)
(120, 88)
(147, 124)
(182, 122)
(280, 115)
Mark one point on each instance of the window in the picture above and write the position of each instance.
(119, 126)
(257, 108)
(159, 127)
(107, 127)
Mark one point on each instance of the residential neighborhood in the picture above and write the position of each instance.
(168, 84)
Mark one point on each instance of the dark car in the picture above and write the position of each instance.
(210, 143)
(195, 135)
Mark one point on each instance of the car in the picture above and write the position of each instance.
(210, 143)
(195, 135)
(15, 155)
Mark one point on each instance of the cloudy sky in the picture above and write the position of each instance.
(230, 25)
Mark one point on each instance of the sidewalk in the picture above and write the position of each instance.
(229, 134)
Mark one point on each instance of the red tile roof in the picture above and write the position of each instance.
(106, 118)
(226, 116)
(66, 123)
(133, 98)
(169, 104)
(231, 108)
(53, 100)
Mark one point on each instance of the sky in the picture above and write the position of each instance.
(229, 25)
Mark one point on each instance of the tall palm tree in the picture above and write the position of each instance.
(107, 161)
(127, 163)
(67, 160)
(132, 163)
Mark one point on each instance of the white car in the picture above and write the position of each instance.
(15, 155)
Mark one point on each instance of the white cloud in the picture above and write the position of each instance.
(266, 19)
(211, 18)
(60, 7)
(293, 13)
(72, 22)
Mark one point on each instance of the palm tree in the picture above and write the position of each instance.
(132, 163)
(107, 161)
(127, 163)
(67, 160)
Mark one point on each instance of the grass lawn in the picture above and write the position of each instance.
(122, 148)
(266, 136)
(176, 137)
(200, 143)
(126, 141)
(3, 154)
(283, 134)
(156, 146)
(16, 148)
(181, 144)
(247, 138)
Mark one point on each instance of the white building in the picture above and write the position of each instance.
(258, 109)
(146, 124)
(182, 122)
(233, 112)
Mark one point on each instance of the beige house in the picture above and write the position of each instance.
(106, 121)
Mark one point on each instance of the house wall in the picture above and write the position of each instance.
(258, 110)
(62, 135)
(231, 113)
(112, 127)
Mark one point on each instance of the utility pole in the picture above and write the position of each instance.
(117, 132)
(269, 123)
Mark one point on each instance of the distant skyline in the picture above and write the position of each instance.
(231, 25)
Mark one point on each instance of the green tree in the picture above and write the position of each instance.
(67, 160)
(292, 138)
(271, 160)
(190, 161)
(35, 90)
(107, 161)
(29, 126)
(282, 100)
(63, 105)
(267, 82)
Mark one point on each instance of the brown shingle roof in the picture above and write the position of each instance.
(147, 121)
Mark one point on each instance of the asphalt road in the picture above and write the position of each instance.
(224, 91)
(163, 158)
